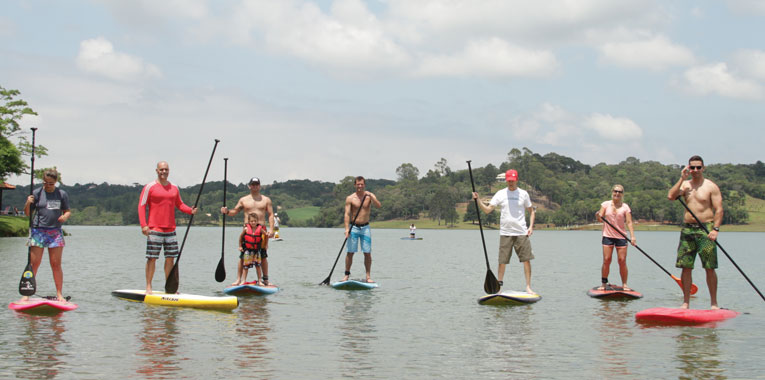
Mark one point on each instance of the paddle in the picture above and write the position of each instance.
(694, 288)
(721, 247)
(28, 283)
(490, 285)
(220, 272)
(171, 283)
(326, 280)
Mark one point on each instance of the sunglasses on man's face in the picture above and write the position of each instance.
(690, 167)
(618, 191)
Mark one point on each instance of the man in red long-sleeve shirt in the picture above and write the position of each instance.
(160, 198)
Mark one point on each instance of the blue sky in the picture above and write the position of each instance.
(325, 89)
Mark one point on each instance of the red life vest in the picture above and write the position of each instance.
(253, 239)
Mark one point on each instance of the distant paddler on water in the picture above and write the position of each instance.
(160, 198)
(276, 225)
(260, 205)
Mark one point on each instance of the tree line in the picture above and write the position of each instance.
(566, 192)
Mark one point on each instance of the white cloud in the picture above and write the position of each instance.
(98, 56)
(717, 79)
(490, 57)
(613, 128)
(751, 63)
(655, 53)
(556, 126)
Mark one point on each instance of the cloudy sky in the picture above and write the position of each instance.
(300, 89)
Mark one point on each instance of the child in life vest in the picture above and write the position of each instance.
(251, 240)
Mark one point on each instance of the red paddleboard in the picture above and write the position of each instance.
(42, 306)
(613, 292)
(672, 316)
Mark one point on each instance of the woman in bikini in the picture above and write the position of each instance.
(618, 214)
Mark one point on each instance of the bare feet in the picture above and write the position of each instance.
(60, 298)
(345, 278)
(685, 305)
(714, 307)
(236, 283)
(24, 299)
(626, 288)
(528, 290)
(148, 290)
(369, 279)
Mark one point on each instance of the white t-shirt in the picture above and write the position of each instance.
(513, 205)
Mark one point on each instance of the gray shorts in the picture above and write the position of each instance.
(522, 245)
(156, 241)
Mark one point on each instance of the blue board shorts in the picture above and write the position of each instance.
(363, 233)
(46, 238)
(158, 240)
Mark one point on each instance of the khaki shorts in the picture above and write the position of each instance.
(522, 246)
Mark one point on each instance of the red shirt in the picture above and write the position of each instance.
(161, 202)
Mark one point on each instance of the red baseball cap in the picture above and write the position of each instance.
(511, 175)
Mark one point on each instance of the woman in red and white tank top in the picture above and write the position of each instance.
(618, 214)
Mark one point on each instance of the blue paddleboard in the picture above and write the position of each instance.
(354, 285)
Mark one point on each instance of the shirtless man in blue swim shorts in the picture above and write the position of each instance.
(359, 229)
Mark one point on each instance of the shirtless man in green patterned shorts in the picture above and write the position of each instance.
(703, 197)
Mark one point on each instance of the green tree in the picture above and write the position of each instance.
(407, 172)
(10, 114)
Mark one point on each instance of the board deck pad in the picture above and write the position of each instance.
(36, 305)
(251, 288)
(354, 285)
(509, 297)
(613, 292)
(675, 316)
(178, 300)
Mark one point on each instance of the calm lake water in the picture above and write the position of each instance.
(422, 322)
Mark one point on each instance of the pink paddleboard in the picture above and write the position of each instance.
(672, 316)
(42, 306)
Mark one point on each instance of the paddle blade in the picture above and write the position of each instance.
(28, 284)
(325, 282)
(220, 272)
(171, 284)
(491, 285)
(694, 288)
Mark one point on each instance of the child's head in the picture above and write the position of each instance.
(252, 218)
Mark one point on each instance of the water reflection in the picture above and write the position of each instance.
(614, 325)
(513, 330)
(39, 346)
(253, 326)
(158, 346)
(358, 333)
(698, 354)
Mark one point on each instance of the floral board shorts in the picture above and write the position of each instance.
(693, 239)
(46, 238)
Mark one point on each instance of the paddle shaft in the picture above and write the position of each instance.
(28, 286)
(721, 247)
(171, 283)
(220, 271)
(326, 280)
(478, 214)
(490, 284)
(638, 248)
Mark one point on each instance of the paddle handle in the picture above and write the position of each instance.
(721, 248)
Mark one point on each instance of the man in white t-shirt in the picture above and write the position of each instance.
(513, 233)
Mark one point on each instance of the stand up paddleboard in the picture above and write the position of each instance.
(354, 285)
(408, 238)
(672, 316)
(613, 292)
(178, 300)
(48, 305)
(509, 297)
(251, 288)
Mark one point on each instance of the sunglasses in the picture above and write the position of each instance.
(618, 191)
(695, 167)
